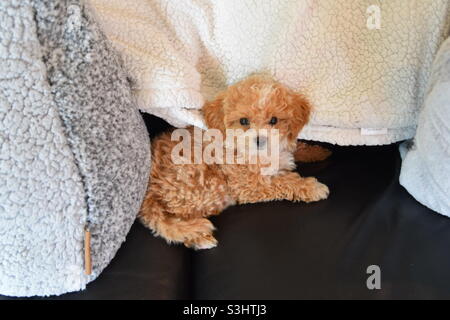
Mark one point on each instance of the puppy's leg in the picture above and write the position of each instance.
(195, 233)
(289, 186)
(204, 241)
(309, 190)
(310, 153)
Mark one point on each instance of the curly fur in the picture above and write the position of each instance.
(180, 198)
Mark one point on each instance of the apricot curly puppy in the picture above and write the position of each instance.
(181, 197)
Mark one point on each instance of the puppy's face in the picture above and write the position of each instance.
(258, 103)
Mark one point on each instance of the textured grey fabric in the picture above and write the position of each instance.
(74, 150)
(426, 161)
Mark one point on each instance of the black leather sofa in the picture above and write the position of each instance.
(284, 250)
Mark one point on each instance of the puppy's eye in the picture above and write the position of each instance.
(244, 121)
(273, 121)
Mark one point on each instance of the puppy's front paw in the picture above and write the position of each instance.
(320, 192)
(312, 190)
(206, 241)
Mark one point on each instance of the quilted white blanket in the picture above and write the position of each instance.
(364, 64)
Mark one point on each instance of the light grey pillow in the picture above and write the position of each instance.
(74, 151)
(426, 161)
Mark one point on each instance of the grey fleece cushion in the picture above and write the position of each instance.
(74, 151)
(426, 160)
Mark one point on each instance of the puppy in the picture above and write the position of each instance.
(181, 197)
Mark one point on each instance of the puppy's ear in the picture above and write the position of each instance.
(214, 114)
(301, 110)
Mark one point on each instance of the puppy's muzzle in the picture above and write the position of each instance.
(260, 142)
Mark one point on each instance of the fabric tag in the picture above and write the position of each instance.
(373, 131)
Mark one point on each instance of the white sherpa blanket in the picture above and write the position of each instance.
(363, 64)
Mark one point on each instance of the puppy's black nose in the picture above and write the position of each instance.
(260, 141)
